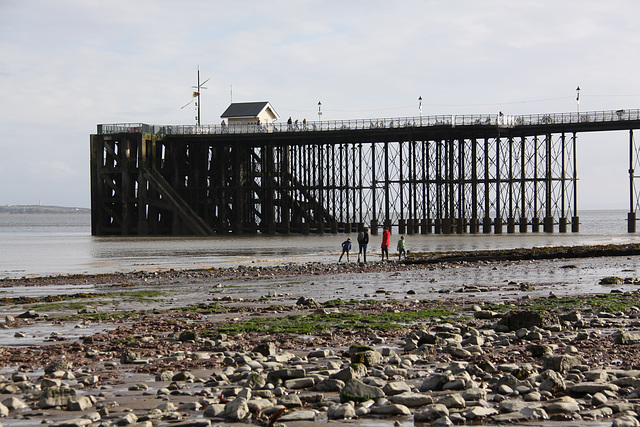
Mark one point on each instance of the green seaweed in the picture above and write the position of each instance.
(315, 323)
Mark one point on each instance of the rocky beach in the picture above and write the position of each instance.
(532, 337)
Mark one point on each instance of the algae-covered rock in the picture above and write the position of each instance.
(519, 319)
(357, 391)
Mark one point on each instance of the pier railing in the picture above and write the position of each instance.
(495, 120)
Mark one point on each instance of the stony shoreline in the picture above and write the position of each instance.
(482, 361)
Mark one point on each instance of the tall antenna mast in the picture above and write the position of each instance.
(197, 93)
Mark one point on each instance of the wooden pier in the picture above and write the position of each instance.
(436, 174)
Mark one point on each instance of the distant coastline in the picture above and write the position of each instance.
(37, 209)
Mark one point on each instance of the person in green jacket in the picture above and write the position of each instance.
(401, 248)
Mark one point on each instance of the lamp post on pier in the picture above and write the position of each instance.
(420, 109)
(319, 111)
(578, 102)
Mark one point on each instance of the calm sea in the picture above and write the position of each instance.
(37, 245)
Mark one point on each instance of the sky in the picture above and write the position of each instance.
(68, 65)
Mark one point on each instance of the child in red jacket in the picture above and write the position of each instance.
(386, 237)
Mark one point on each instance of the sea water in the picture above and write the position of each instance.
(60, 244)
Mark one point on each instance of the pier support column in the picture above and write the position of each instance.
(446, 225)
(523, 224)
(474, 226)
(401, 227)
(631, 222)
(424, 226)
(511, 225)
(486, 225)
(374, 227)
(410, 226)
(562, 225)
(548, 224)
(497, 226)
(575, 224)
(535, 224)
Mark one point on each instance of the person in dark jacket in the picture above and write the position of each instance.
(346, 247)
(363, 241)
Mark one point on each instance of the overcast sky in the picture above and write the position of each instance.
(67, 65)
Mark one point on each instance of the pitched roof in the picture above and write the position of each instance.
(247, 109)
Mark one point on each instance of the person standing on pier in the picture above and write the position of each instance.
(346, 247)
(386, 237)
(363, 241)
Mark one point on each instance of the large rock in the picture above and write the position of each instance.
(307, 302)
(513, 405)
(52, 397)
(187, 336)
(79, 403)
(164, 375)
(357, 391)
(355, 371)
(626, 338)
(561, 363)
(592, 388)
(330, 384)
(455, 401)
(365, 355)
(183, 376)
(552, 382)
(298, 383)
(478, 412)
(281, 375)
(411, 399)
(214, 411)
(128, 419)
(14, 403)
(236, 410)
(267, 348)
(518, 319)
(341, 412)
(391, 410)
(304, 415)
(395, 387)
(256, 381)
(474, 394)
(75, 422)
(431, 413)
(532, 413)
(626, 421)
(435, 382)
(128, 356)
(564, 406)
(58, 365)
(290, 401)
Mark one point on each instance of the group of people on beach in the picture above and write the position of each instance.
(363, 242)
